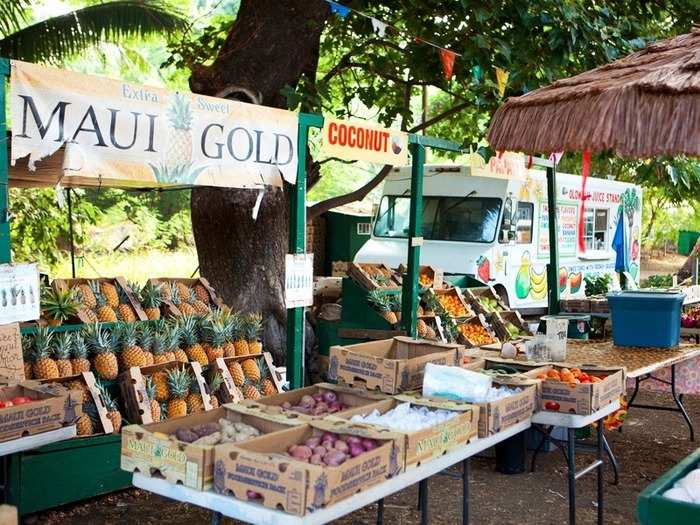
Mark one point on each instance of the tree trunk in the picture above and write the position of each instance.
(270, 45)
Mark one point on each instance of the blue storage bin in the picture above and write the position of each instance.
(646, 318)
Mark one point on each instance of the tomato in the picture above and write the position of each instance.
(21, 400)
(6, 404)
(552, 405)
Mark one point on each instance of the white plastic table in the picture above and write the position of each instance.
(571, 422)
(260, 515)
(37, 440)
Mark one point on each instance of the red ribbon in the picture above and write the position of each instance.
(585, 169)
(448, 62)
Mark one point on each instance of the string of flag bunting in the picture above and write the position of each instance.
(447, 56)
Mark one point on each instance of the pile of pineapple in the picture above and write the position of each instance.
(189, 301)
(103, 302)
(252, 378)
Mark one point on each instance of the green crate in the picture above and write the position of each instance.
(686, 241)
(654, 509)
(462, 280)
(65, 472)
(357, 311)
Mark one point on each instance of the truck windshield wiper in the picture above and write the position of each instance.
(460, 201)
(391, 207)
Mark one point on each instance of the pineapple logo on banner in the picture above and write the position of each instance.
(122, 134)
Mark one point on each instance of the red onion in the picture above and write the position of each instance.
(351, 440)
(319, 449)
(356, 449)
(369, 444)
(341, 445)
(329, 396)
(329, 436)
(307, 401)
(251, 494)
(313, 442)
(335, 407)
(316, 459)
(317, 397)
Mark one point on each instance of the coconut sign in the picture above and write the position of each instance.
(122, 134)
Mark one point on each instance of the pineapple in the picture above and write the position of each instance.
(160, 384)
(151, 300)
(268, 387)
(151, 393)
(199, 307)
(185, 308)
(183, 292)
(179, 145)
(251, 370)
(238, 334)
(193, 349)
(79, 361)
(229, 347)
(202, 293)
(62, 351)
(146, 336)
(174, 344)
(422, 328)
(237, 374)
(87, 421)
(253, 327)
(27, 344)
(215, 336)
(195, 404)
(179, 385)
(383, 305)
(159, 348)
(112, 409)
(57, 306)
(100, 345)
(85, 295)
(77, 384)
(215, 383)
(44, 366)
(110, 293)
(131, 354)
(124, 309)
(91, 316)
(105, 313)
(250, 391)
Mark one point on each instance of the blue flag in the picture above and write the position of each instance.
(619, 244)
(338, 9)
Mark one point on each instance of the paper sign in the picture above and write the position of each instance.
(358, 141)
(299, 280)
(19, 293)
(11, 361)
(507, 165)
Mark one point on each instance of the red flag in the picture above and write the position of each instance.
(585, 169)
(448, 62)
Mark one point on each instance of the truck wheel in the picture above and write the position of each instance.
(502, 294)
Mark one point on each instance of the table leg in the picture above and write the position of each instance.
(423, 501)
(380, 512)
(571, 446)
(545, 431)
(613, 459)
(465, 492)
(679, 402)
(601, 446)
(637, 380)
(215, 518)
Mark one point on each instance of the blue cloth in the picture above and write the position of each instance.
(338, 9)
(619, 244)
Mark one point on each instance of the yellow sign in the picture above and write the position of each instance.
(358, 141)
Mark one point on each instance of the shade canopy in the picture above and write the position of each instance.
(641, 106)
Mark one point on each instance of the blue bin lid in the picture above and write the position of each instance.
(641, 295)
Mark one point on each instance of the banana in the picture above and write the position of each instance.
(539, 294)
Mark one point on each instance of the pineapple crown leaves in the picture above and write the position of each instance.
(215, 333)
(27, 346)
(160, 342)
(98, 339)
(79, 349)
(42, 342)
(174, 293)
(173, 337)
(146, 336)
(235, 326)
(150, 295)
(59, 304)
(179, 113)
(380, 301)
(90, 409)
(63, 346)
(215, 382)
(121, 293)
(128, 334)
(179, 382)
(253, 326)
(189, 331)
(150, 388)
(109, 400)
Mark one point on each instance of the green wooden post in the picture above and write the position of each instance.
(410, 284)
(5, 253)
(297, 244)
(553, 270)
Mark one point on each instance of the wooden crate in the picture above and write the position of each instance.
(229, 391)
(457, 293)
(169, 309)
(435, 275)
(119, 282)
(475, 295)
(579, 306)
(480, 321)
(365, 274)
(499, 320)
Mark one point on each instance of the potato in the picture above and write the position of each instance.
(206, 428)
(333, 458)
(209, 439)
(186, 435)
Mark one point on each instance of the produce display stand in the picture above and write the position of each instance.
(544, 422)
(259, 515)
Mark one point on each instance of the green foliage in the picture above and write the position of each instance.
(597, 284)
(658, 281)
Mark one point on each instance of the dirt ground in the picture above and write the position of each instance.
(660, 264)
(652, 442)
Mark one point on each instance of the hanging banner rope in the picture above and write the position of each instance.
(585, 169)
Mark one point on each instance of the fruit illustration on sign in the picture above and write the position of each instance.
(522, 279)
(538, 284)
(396, 145)
(563, 278)
(575, 280)
(635, 250)
(483, 268)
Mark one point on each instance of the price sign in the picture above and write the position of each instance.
(11, 360)
(19, 293)
(299, 280)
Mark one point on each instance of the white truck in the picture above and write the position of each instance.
(496, 229)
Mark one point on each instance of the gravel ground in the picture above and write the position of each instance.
(651, 443)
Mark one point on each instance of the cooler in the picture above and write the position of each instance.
(645, 318)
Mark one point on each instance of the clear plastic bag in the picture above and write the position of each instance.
(455, 383)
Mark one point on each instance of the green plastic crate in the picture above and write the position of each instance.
(654, 509)
(686, 241)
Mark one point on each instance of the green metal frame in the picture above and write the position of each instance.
(553, 269)
(5, 251)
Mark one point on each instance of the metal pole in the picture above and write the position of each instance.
(297, 245)
(415, 240)
(5, 252)
(70, 232)
(553, 269)
(571, 468)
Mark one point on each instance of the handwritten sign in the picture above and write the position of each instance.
(566, 219)
(11, 361)
(19, 293)
(299, 280)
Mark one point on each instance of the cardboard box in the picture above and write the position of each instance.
(510, 367)
(170, 309)
(390, 365)
(261, 465)
(432, 442)
(119, 282)
(133, 388)
(53, 407)
(229, 391)
(583, 399)
(495, 416)
(474, 296)
(499, 320)
(365, 274)
(272, 406)
(150, 449)
(8, 515)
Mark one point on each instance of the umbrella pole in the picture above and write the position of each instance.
(553, 267)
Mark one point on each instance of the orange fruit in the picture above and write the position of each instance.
(553, 374)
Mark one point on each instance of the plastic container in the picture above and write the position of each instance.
(579, 324)
(647, 319)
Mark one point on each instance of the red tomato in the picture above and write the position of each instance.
(551, 405)
(6, 404)
(21, 400)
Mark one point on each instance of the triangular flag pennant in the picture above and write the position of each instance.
(448, 62)
(556, 156)
(502, 79)
(338, 9)
(378, 27)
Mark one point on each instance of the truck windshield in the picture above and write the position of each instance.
(471, 219)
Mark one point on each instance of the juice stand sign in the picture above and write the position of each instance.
(566, 217)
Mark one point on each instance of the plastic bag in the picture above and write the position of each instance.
(455, 383)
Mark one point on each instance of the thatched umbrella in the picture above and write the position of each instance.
(641, 106)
